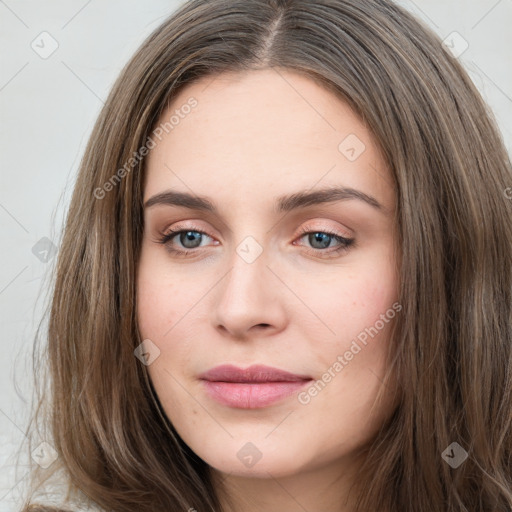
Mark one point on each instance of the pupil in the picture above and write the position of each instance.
(189, 237)
(318, 237)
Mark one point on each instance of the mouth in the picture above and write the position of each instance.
(251, 388)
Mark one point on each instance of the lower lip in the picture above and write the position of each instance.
(251, 395)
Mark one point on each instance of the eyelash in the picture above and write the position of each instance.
(346, 243)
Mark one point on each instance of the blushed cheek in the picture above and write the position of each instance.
(361, 316)
(360, 302)
(157, 305)
(377, 291)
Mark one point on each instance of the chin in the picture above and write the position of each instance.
(275, 463)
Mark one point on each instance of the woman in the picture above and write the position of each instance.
(340, 338)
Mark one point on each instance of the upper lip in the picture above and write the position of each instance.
(255, 373)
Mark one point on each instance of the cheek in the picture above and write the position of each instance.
(160, 305)
(358, 313)
(161, 298)
(151, 309)
(354, 300)
(164, 304)
(375, 287)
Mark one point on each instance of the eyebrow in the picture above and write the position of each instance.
(285, 203)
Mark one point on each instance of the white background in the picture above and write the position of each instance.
(47, 110)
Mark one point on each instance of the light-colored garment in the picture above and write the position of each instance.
(54, 494)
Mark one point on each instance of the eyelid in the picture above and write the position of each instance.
(305, 228)
(320, 225)
(186, 227)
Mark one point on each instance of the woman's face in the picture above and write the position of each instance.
(279, 273)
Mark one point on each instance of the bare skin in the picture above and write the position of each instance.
(298, 305)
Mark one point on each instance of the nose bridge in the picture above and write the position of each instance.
(249, 274)
(250, 253)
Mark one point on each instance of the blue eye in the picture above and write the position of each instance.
(324, 238)
(191, 238)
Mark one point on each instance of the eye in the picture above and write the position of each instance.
(320, 240)
(190, 239)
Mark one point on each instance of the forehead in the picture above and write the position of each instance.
(262, 133)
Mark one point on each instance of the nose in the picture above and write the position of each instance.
(249, 299)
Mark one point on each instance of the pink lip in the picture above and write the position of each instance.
(251, 388)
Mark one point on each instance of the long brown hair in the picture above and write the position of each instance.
(451, 348)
